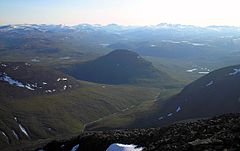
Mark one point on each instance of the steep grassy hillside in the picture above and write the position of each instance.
(30, 111)
(66, 113)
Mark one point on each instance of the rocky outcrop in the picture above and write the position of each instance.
(218, 133)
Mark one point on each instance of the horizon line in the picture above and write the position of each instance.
(99, 24)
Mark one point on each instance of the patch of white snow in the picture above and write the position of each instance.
(48, 91)
(27, 64)
(23, 129)
(203, 72)
(236, 71)
(170, 114)
(15, 134)
(210, 83)
(123, 147)
(197, 44)
(4, 134)
(192, 70)
(152, 45)
(15, 68)
(62, 79)
(160, 118)
(6, 78)
(28, 87)
(9, 80)
(3, 65)
(75, 148)
(35, 60)
(178, 109)
(104, 45)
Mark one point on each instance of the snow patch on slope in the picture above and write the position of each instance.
(9, 80)
(236, 71)
(21, 127)
(15, 134)
(62, 79)
(178, 109)
(210, 83)
(123, 147)
(23, 130)
(160, 118)
(203, 72)
(170, 114)
(4, 134)
(191, 70)
(75, 148)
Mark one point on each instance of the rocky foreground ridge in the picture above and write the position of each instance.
(218, 133)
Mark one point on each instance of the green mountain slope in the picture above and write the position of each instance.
(46, 115)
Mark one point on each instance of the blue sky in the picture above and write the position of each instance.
(125, 12)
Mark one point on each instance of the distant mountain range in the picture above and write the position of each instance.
(120, 67)
(163, 40)
(114, 27)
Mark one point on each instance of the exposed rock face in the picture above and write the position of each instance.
(218, 133)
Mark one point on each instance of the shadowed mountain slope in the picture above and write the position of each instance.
(213, 94)
(119, 67)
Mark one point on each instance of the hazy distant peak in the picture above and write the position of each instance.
(123, 52)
